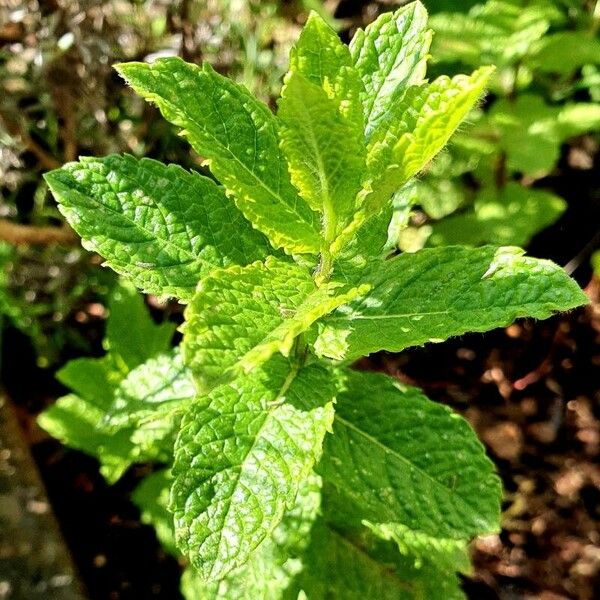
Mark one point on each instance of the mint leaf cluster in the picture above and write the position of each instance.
(291, 474)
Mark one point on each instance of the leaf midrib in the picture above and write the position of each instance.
(272, 406)
(467, 507)
(261, 183)
(153, 237)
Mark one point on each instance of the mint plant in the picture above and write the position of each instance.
(480, 191)
(290, 473)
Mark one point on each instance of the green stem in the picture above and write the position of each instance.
(324, 269)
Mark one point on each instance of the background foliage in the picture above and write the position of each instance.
(60, 99)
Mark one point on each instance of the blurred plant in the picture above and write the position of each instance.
(544, 93)
(59, 99)
(78, 418)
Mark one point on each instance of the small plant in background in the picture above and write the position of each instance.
(289, 473)
(60, 98)
(544, 92)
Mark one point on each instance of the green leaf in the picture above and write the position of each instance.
(152, 499)
(503, 33)
(445, 553)
(391, 55)
(440, 197)
(319, 55)
(152, 391)
(564, 52)
(340, 567)
(238, 137)
(144, 338)
(512, 215)
(405, 460)
(160, 225)
(375, 237)
(527, 133)
(94, 379)
(273, 564)
(82, 420)
(530, 132)
(442, 292)
(577, 118)
(324, 60)
(77, 423)
(415, 129)
(240, 457)
(327, 173)
(241, 316)
(417, 548)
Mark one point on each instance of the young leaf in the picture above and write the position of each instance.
(162, 226)
(405, 460)
(237, 135)
(390, 55)
(375, 237)
(272, 566)
(240, 457)
(319, 55)
(327, 173)
(324, 60)
(241, 316)
(415, 129)
(442, 292)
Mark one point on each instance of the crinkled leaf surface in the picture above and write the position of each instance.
(404, 459)
(442, 292)
(418, 549)
(159, 225)
(237, 135)
(446, 554)
(323, 59)
(241, 316)
(342, 567)
(156, 388)
(416, 128)
(325, 151)
(271, 567)
(390, 55)
(240, 457)
(376, 237)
